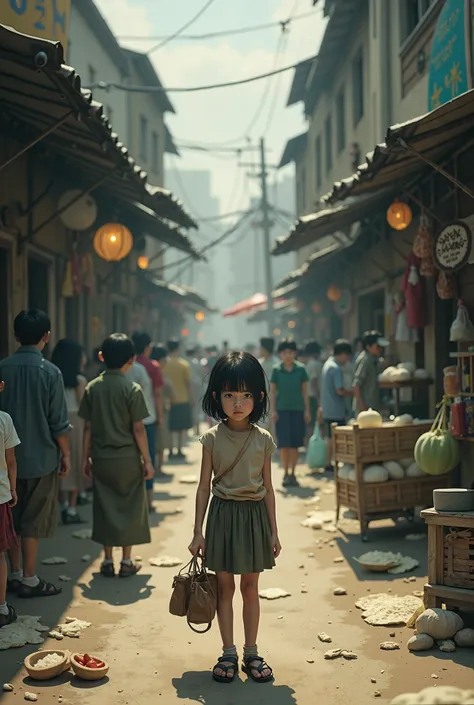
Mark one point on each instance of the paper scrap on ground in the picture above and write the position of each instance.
(339, 591)
(415, 537)
(389, 646)
(54, 560)
(73, 627)
(31, 697)
(64, 578)
(273, 593)
(407, 563)
(330, 528)
(325, 638)
(26, 630)
(188, 479)
(384, 609)
(7, 688)
(86, 558)
(165, 561)
(82, 534)
(379, 558)
(54, 634)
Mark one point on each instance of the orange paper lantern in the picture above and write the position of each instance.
(113, 242)
(142, 262)
(334, 293)
(316, 307)
(399, 215)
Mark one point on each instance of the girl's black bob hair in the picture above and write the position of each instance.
(236, 372)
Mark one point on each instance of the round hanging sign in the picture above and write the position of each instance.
(344, 305)
(452, 247)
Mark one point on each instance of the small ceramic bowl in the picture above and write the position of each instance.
(46, 674)
(453, 499)
(89, 674)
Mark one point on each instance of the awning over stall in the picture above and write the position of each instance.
(42, 101)
(169, 292)
(433, 137)
(332, 220)
(251, 304)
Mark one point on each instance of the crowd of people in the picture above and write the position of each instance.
(68, 425)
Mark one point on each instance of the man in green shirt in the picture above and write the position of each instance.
(366, 376)
(289, 405)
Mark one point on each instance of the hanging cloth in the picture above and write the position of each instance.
(414, 289)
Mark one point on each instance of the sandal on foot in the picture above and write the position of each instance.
(13, 586)
(43, 589)
(248, 669)
(286, 481)
(70, 519)
(107, 570)
(226, 664)
(9, 618)
(129, 569)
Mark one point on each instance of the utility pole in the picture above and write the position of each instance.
(266, 227)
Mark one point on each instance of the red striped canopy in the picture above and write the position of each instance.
(247, 305)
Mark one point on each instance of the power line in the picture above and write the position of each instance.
(108, 85)
(166, 40)
(284, 24)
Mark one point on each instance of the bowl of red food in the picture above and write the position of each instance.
(89, 668)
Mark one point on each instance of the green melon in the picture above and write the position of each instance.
(437, 452)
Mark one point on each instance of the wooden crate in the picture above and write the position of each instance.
(458, 564)
(378, 500)
(450, 559)
(376, 445)
(394, 494)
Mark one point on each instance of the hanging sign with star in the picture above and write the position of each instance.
(449, 67)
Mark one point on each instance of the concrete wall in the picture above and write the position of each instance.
(85, 52)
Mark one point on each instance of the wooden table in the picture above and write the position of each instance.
(443, 586)
(406, 384)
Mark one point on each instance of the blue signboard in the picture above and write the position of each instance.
(449, 68)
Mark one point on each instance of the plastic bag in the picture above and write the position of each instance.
(462, 328)
(316, 455)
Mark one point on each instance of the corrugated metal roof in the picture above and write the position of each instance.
(37, 90)
(333, 219)
(183, 293)
(293, 149)
(436, 135)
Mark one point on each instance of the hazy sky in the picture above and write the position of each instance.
(218, 116)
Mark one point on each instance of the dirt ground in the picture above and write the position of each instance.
(155, 655)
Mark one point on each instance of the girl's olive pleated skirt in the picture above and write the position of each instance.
(238, 537)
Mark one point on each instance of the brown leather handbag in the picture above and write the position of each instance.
(194, 592)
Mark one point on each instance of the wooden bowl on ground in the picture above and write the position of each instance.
(377, 567)
(89, 674)
(46, 674)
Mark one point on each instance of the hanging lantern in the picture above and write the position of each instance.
(142, 262)
(81, 214)
(334, 293)
(316, 307)
(399, 215)
(113, 242)
(199, 316)
(291, 324)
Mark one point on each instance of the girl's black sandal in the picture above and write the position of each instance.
(226, 663)
(262, 666)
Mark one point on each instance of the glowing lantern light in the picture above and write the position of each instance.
(113, 242)
(199, 316)
(291, 324)
(399, 215)
(185, 332)
(316, 307)
(277, 331)
(142, 262)
(334, 293)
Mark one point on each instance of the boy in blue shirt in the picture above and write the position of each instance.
(333, 394)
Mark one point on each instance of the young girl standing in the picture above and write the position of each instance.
(241, 532)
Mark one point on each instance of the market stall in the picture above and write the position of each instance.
(379, 478)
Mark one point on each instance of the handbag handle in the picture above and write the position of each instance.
(241, 452)
(198, 631)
